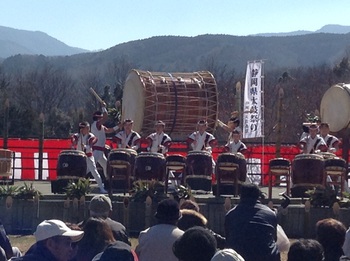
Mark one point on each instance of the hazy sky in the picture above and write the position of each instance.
(100, 24)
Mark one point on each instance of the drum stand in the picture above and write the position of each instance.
(337, 177)
(113, 174)
(179, 172)
(278, 172)
(226, 166)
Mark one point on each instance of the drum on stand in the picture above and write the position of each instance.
(199, 169)
(279, 168)
(175, 165)
(336, 173)
(6, 157)
(149, 166)
(150, 96)
(231, 172)
(71, 165)
(120, 168)
(307, 173)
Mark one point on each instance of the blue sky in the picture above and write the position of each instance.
(100, 24)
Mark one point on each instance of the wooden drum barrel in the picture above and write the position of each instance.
(178, 99)
(5, 162)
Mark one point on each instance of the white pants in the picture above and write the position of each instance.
(91, 166)
(100, 157)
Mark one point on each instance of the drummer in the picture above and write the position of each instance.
(312, 143)
(232, 124)
(84, 141)
(159, 141)
(235, 145)
(201, 139)
(331, 141)
(128, 138)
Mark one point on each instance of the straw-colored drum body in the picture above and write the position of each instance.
(335, 107)
(5, 162)
(178, 99)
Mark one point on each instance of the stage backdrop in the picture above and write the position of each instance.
(26, 157)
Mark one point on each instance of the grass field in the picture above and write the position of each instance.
(24, 242)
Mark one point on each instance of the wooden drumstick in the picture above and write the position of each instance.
(96, 96)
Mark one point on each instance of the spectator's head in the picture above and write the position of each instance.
(196, 244)
(250, 191)
(117, 251)
(189, 204)
(227, 254)
(168, 212)
(191, 218)
(97, 236)
(305, 250)
(57, 238)
(100, 206)
(330, 233)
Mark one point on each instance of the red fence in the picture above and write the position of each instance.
(27, 155)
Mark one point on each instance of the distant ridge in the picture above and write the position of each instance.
(15, 41)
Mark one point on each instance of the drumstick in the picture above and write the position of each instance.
(96, 96)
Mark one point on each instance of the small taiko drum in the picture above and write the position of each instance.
(149, 166)
(199, 169)
(230, 165)
(307, 173)
(5, 162)
(120, 157)
(279, 165)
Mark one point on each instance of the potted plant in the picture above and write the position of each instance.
(28, 192)
(78, 189)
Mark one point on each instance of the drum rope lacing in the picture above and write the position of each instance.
(176, 104)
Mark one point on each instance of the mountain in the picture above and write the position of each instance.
(330, 28)
(14, 41)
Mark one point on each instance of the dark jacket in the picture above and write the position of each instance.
(251, 230)
(38, 253)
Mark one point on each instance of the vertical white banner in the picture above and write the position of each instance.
(252, 116)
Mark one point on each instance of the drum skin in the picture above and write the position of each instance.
(175, 158)
(308, 169)
(279, 162)
(335, 107)
(199, 163)
(5, 162)
(152, 96)
(232, 158)
(149, 165)
(71, 164)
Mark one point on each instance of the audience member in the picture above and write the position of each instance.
(116, 251)
(331, 234)
(196, 244)
(305, 250)
(53, 242)
(101, 207)
(6, 246)
(252, 225)
(346, 245)
(189, 204)
(227, 254)
(156, 242)
(97, 236)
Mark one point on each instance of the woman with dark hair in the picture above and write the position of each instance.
(97, 236)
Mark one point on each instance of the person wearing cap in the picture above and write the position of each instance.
(196, 244)
(201, 139)
(235, 144)
(251, 227)
(158, 141)
(313, 142)
(227, 254)
(156, 242)
(99, 130)
(53, 242)
(101, 207)
(332, 142)
(128, 138)
(84, 141)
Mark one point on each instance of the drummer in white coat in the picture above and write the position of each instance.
(201, 139)
(100, 130)
(128, 138)
(332, 142)
(313, 142)
(84, 141)
(235, 144)
(158, 141)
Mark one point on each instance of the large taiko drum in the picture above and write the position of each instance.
(178, 99)
(71, 165)
(307, 172)
(335, 107)
(5, 162)
(149, 165)
(199, 169)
